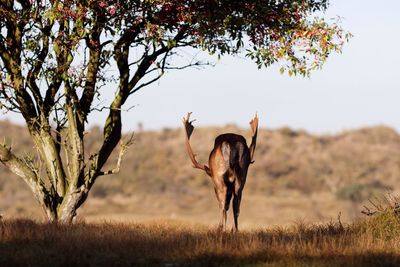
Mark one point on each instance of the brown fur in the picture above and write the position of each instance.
(227, 166)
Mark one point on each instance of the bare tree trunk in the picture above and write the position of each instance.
(62, 210)
(69, 206)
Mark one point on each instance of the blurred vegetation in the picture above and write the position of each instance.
(296, 175)
(361, 192)
(353, 164)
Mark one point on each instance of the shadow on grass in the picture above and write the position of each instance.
(28, 243)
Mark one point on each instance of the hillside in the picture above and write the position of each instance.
(296, 175)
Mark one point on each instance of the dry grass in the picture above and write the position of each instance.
(372, 242)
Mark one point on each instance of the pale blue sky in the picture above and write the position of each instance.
(358, 88)
(355, 89)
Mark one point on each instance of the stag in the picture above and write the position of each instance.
(227, 166)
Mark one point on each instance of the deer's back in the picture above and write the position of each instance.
(230, 155)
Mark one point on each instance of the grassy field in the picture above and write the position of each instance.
(159, 211)
(374, 241)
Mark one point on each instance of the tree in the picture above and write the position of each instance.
(55, 56)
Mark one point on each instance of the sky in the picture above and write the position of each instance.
(358, 88)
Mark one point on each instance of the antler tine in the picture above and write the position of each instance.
(189, 130)
(254, 128)
(254, 123)
(188, 125)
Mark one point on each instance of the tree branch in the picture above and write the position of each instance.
(12, 63)
(49, 153)
(123, 149)
(113, 125)
(64, 59)
(147, 83)
(15, 164)
(20, 168)
(91, 75)
(34, 71)
(148, 60)
(74, 146)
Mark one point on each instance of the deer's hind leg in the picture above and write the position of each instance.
(224, 196)
(237, 198)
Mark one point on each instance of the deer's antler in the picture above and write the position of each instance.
(254, 128)
(188, 132)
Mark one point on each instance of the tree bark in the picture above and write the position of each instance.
(71, 202)
(30, 176)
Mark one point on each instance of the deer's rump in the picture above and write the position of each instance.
(234, 152)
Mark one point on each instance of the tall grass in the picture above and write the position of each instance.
(169, 243)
